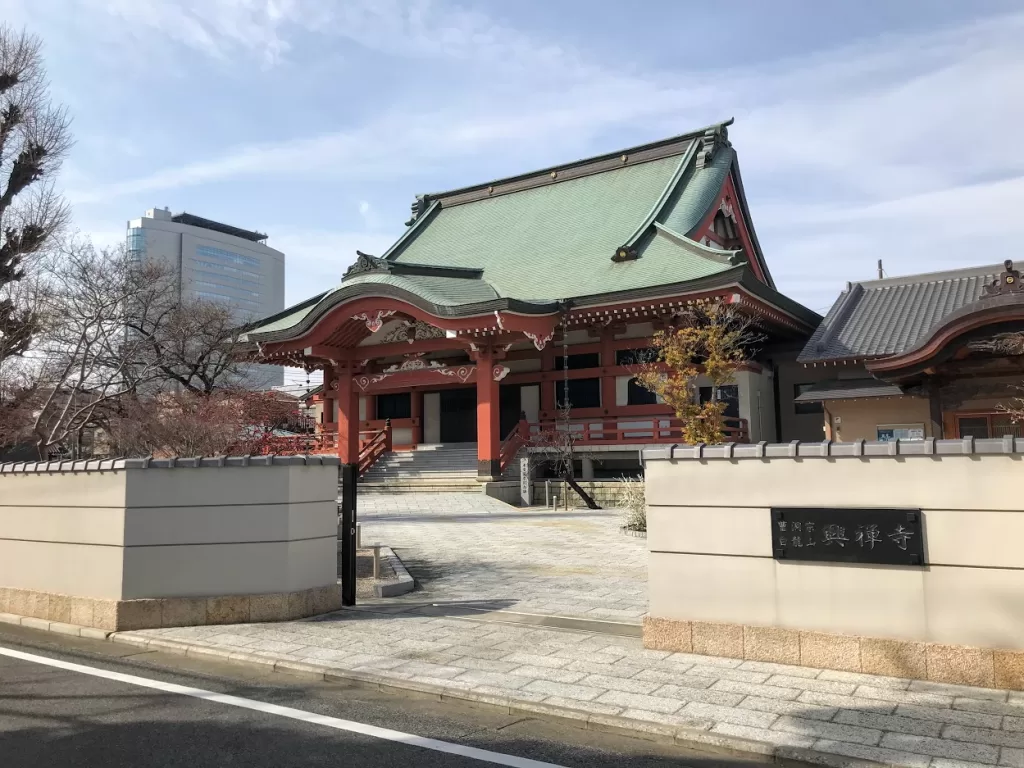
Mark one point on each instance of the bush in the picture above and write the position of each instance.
(634, 503)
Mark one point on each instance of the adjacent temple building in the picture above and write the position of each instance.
(461, 332)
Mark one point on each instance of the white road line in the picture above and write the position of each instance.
(386, 734)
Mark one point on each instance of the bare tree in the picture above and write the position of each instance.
(84, 359)
(187, 423)
(191, 344)
(34, 137)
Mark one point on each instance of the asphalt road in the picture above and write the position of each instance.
(58, 717)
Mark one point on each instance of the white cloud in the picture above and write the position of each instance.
(877, 148)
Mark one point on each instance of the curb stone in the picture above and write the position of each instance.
(403, 581)
(696, 736)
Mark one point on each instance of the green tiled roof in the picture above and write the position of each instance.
(697, 192)
(556, 241)
(442, 291)
(531, 241)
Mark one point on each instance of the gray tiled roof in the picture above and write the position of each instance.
(879, 318)
(851, 388)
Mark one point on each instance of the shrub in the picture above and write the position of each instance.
(634, 505)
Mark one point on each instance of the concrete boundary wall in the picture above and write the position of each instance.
(128, 544)
(716, 589)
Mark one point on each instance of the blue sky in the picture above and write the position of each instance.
(867, 130)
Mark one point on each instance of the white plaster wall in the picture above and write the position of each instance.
(529, 402)
(431, 418)
(622, 390)
(757, 403)
(182, 532)
(711, 560)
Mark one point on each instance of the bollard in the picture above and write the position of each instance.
(547, 493)
(359, 535)
(376, 561)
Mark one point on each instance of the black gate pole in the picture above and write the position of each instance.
(349, 479)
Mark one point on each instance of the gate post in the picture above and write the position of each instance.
(348, 455)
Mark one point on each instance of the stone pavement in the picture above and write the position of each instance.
(609, 680)
(471, 548)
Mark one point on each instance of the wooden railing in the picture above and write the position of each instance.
(511, 445)
(624, 431)
(376, 445)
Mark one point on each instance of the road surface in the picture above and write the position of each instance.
(73, 702)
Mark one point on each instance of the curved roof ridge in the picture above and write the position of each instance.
(666, 193)
(933, 277)
(731, 258)
(688, 136)
(417, 223)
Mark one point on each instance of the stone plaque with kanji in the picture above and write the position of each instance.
(845, 535)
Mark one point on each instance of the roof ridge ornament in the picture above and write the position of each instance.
(1007, 283)
(419, 207)
(714, 137)
(367, 263)
(625, 253)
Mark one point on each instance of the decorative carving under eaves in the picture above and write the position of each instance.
(539, 341)
(415, 364)
(366, 263)
(374, 320)
(1007, 283)
(412, 331)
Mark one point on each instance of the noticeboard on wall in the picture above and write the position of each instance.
(886, 433)
(846, 535)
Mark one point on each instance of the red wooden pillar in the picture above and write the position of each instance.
(416, 412)
(488, 423)
(348, 417)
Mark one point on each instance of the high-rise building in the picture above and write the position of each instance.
(216, 262)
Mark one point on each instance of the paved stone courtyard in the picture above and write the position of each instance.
(471, 548)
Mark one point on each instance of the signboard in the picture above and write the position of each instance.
(882, 536)
(525, 481)
(886, 433)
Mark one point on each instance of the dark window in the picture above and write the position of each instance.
(635, 356)
(803, 409)
(987, 425)
(576, 362)
(730, 394)
(396, 406)
(638, 395)
(583, 393)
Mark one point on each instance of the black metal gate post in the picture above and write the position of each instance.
(349, 479)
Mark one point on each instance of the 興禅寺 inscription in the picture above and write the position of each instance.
(881, 536)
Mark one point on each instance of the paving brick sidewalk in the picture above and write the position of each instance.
(890, 721)
(469, 547)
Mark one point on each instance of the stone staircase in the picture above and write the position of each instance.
(426, 469)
